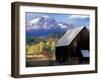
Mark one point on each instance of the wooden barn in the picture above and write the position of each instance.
(73, 47)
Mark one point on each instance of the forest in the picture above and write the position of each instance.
(41, 48)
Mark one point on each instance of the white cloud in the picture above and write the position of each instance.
(78, 16)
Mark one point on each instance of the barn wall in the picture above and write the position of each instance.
(62, 54)
(71, 54)
(84, 38)
(79, 43)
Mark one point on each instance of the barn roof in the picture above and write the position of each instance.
(85, 53)
(69, 36)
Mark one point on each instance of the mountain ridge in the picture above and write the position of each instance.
(45, 25)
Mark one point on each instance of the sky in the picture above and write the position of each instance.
(74, 19)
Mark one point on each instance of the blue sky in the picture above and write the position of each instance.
(74, 19)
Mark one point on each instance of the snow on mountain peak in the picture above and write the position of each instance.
(45, 22)
(45, 16)
(34, 21)
(63, 26)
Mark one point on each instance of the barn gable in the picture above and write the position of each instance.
(69, 36)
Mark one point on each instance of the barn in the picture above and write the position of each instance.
(73, 47)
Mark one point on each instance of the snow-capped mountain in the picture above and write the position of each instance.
(46, 22)
(45, 25)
